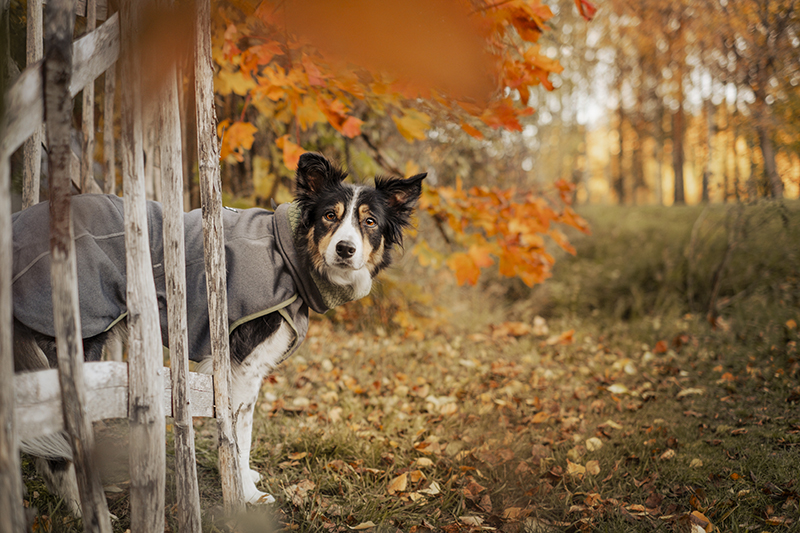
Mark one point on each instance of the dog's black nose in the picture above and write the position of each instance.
(345, 249)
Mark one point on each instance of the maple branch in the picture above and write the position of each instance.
(380, 157)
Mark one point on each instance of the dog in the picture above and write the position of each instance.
(317, 252)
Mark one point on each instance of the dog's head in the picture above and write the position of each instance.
(350, 230)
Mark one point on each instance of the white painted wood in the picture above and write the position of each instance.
(37, 397)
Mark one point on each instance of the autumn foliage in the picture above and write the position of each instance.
(493, 224)
(305, 65)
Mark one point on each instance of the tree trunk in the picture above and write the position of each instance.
(619, 181)
(677, 149)
(770, 168)
(709, 150)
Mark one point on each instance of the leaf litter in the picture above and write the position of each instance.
(508, 430)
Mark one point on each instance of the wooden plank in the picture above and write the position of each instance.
(87, 112)
(59, 21)
(214, 247)
(146, 412)
(11, 515)
(37, 397)
(188, 492)
(94, 54)
(32, 164)
(25, 108)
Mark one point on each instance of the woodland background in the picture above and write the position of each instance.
(594, 324)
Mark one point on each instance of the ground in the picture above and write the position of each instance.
(627, 407)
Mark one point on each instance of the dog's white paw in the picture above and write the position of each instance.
(255, 496)
(254, 475)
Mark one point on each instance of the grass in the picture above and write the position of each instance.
(645, 418)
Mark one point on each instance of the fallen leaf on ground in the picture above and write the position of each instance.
(363, 525)
(398, 484)
(471, 520)
(593, 444)
(690, 391)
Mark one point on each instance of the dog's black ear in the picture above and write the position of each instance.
(314, 173)
(401, 196)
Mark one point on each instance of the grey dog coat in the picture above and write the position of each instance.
(265, 273)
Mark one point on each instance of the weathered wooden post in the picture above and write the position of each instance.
(146, 409)
(64, 276)
(32, 166)
(87, 154)
(11, 518)
(175, 273)
(214, 246)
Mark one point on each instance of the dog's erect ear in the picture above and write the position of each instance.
(401, 197)
(314, 173)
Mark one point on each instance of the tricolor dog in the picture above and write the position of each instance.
(320, 251)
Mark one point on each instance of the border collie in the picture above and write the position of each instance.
(317, 252)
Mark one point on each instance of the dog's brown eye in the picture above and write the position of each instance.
(370, 223)
(330, 216)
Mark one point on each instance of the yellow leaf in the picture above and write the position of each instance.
(413, 124)
(228, 82)
(593, 467)
(308, 113)
(575, 469)
(236, 138)
(398, 484)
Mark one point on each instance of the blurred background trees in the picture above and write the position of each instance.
(653, 102)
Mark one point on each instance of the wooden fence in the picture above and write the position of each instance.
(76, 394)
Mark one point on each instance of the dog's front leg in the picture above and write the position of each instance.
(245, 394)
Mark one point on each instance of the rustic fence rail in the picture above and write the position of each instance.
(77, 394)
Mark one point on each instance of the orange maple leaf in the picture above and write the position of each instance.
(464, 267)
(291, 152)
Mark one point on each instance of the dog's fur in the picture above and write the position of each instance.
(348, 233)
